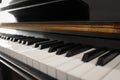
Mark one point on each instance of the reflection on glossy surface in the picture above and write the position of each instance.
(7, 17)
(48, 10)
(12, 31)
(5, 3)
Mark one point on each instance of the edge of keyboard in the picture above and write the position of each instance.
(24, 70)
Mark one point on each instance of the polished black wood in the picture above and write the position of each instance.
(94, 11)
(49, 10)
(61, 10)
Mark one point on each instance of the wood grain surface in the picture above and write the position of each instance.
(91, 27)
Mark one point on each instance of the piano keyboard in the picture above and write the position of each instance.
(63, 61)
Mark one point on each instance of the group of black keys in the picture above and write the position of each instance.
(70, 49)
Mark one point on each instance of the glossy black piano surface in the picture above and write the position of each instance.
(49, 10)
(62, 11)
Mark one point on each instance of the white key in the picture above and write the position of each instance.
(11, 44)
(79, 71)
(23, 55)
(43, 66)
(31, 57)
(12, 48)
(100, 71)
(18, 55)
(4, 47)
(114, 74)
(15, 49)
(35, 61)
(61, 70)
(10, 39)
(37, 54)
(28, 59)
(22, 42)
(51, 66)
(57, 61)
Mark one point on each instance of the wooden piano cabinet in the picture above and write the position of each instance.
(87, 27)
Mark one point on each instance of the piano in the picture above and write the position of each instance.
(59, 40)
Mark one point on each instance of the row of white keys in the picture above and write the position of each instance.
(36, 63)
(64, 68)
(22, 52)
(26, 54)
(44, 69)
(39, 56)
(32, 56)
(36, 57)
(21, 48)
(99, 72)
(44, 62)
(78, 72)
(50, 66)
(19, 52)
(3, 45)
(19, 56)
(114, 74)
(12, 48)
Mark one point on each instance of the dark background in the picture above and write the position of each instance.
(104, 10)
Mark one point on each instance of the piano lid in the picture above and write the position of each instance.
(61, 10)
(48, 10)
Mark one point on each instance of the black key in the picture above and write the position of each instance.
(54, 48)
(43, 46)
(64, 49)
(93, 54)
(12, 39)
(8, 38)
(44, 42)
(13, 36)
(30, 42)
(103, 60)
(3, 36)
(26, 38)
(78, 49)
(16, 38)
